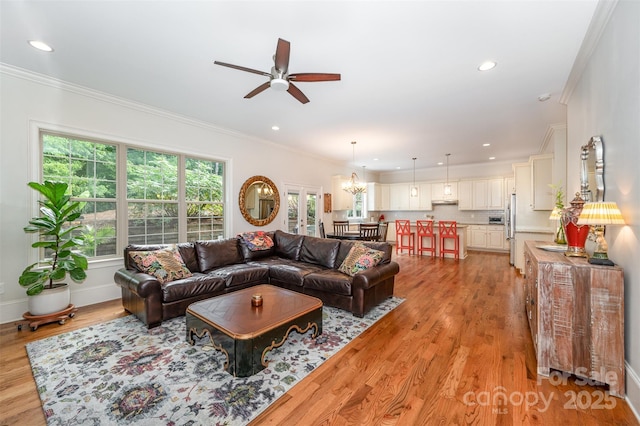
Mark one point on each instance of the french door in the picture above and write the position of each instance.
(302, 213)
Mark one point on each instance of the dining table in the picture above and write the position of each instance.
(348, 235)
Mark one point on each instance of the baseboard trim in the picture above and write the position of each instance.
(633, 390)
(12, 311)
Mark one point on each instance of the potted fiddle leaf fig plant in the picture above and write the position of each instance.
(60, 238)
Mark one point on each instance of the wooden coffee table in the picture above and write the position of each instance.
(245, 333)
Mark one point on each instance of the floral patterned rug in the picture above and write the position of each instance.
(120, 372)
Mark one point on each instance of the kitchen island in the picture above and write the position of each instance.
(462, 234)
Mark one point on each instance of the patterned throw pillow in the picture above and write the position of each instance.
(257, 241)
(166, 264)
(360, 258)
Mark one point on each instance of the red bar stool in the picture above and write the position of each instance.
(448, 229)
(425, 230)
(403, 228)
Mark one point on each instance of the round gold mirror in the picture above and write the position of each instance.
(259, 200)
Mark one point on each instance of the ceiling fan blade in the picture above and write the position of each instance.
(314, 76)
(257, 90)
(238, 67)
(282, 56)
(296, 93)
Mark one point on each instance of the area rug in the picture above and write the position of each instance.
(119, 372)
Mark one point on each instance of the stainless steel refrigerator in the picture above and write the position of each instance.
(510, 223)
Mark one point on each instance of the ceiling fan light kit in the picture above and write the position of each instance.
(279, 77)
(279, 84)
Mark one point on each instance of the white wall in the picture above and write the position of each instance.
(606, 102)
(30, 100)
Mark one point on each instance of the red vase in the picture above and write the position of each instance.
(576, 234)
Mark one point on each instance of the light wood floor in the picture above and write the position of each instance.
(457, 351)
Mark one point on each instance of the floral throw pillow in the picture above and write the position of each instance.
(166, 264)
(257, 241)
(360, 258)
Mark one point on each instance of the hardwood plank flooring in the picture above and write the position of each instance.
(457, 351)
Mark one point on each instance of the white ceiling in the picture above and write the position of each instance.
(410, 85)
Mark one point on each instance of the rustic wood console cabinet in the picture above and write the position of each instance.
(576, 316)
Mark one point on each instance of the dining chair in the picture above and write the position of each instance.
(448, 230)
(340, 227)
(369, 231)
(403, 229)
(321, 229)
(424, 230)
(383, 227)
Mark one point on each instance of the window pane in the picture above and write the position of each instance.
(73, 160)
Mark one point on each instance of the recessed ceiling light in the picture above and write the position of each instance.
(375, 159)
(440, 163)
(487, 65)
(544, 97)
(41, 45)
(275, 128)
(398, 167)
(492, 158)
(486, 144)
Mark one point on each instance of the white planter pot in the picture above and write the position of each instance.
(50, 300)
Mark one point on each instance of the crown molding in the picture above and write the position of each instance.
(599, 21)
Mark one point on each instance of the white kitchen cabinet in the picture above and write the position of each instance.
(478, 236)
(488, 194)
(480, 194)
(377, 196)
(424, 196)
(487, 237)
(465, 195)
(495, 237)
(542, 196)
(340, 199)
(399, 196)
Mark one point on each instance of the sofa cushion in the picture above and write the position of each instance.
(242, 273)
(288, 245)
(197, 285)
(292, 273)
(360, 258)
(319, 251)
(213, 254)
(164, 264)
(187, 251)
(330, 281)
(257, 240)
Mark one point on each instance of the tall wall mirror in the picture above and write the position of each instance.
(592, 170)
(259, 200)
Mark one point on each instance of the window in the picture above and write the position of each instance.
(169, 197)
(205, 200)
(89, 168)
(358, 211)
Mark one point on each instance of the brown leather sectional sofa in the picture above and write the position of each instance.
(305, 264)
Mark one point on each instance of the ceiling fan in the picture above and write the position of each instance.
(279, 77)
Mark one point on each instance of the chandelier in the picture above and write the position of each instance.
(353, 185)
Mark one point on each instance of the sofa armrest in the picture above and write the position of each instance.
(144, 285)
(370, 277)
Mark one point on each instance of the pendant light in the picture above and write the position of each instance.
(447, 187)
(414, 188)
(353, 185)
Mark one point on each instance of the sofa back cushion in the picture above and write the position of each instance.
(213, 254)
(187, 252)
(345, 246)
(249, 254)
(319, 251)
(288, 245)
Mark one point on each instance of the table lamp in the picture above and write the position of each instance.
(598, 215)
